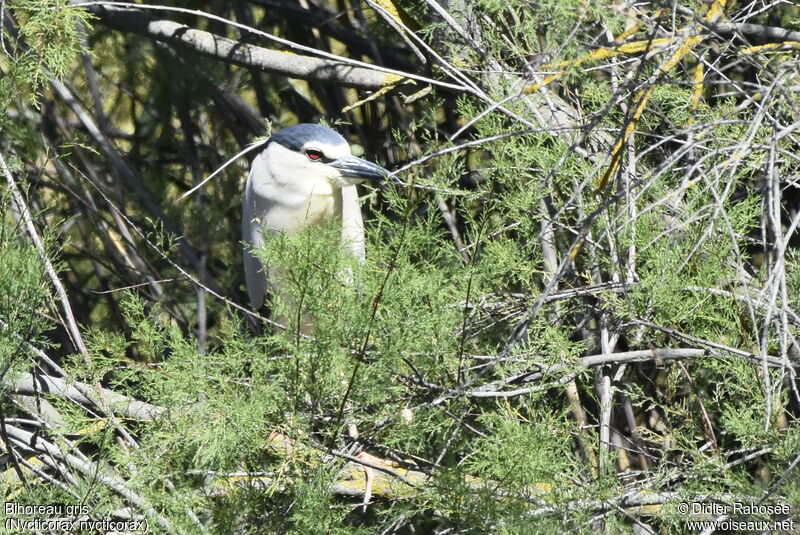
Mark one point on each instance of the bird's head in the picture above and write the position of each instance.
(317, 155)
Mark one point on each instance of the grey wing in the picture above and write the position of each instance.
(255, 274)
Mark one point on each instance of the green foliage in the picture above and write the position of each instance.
(23, 295)
(46, 45)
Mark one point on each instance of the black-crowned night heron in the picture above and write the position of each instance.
(305, 176)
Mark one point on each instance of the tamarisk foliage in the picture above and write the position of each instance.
(578, 308)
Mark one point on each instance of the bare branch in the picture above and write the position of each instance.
(29, 384)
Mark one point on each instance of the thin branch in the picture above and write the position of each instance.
(71, 325)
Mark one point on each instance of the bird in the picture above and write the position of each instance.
(305, 176)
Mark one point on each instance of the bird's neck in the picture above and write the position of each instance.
(324, 208)
(337, 204)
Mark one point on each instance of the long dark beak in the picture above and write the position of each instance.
(356, 168)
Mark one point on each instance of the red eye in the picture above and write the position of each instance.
(313, 154)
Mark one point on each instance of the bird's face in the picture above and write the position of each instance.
(316, 157)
